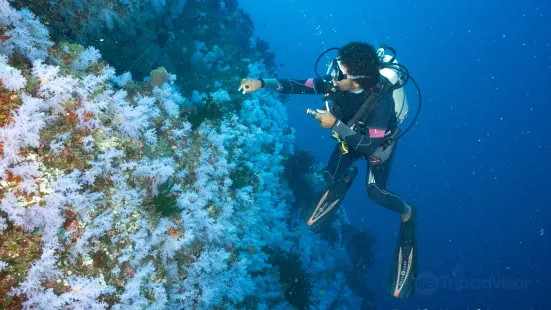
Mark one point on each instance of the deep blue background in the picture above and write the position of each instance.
(477, 164)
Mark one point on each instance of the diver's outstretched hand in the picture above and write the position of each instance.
(249, 85)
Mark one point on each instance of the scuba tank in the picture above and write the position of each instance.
(401, 107)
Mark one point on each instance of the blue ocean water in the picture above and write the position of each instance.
(133, 174)
(476, 164)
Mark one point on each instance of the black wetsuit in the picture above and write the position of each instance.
(379, 124)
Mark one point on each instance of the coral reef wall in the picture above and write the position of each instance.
(163, 192)
(194, 39)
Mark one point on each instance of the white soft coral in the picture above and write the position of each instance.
(24, 131)
(27, 36)
(10, 77)
(55, 89)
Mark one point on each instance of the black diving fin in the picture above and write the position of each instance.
(404, 266)
(323, 212)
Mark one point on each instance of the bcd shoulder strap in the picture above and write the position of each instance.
(367, 105)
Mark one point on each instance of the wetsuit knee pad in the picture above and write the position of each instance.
(327, 177)
(374, 193)
(384, 198)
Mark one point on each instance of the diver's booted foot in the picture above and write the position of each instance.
(323, 211)
(404, 267)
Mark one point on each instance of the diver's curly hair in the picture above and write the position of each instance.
(361, 59)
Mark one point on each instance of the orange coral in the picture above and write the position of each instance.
(88, 116)
(13, 178)
(175, 233)
(9, 101)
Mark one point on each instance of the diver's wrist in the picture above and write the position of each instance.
(271, 84)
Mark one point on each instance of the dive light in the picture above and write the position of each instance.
(311, 112)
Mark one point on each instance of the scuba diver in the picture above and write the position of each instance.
(368, 103)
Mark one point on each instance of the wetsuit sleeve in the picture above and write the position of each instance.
(310, 86)
(376, 124)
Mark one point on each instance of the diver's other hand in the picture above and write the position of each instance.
(249, 85)
(326, 118)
